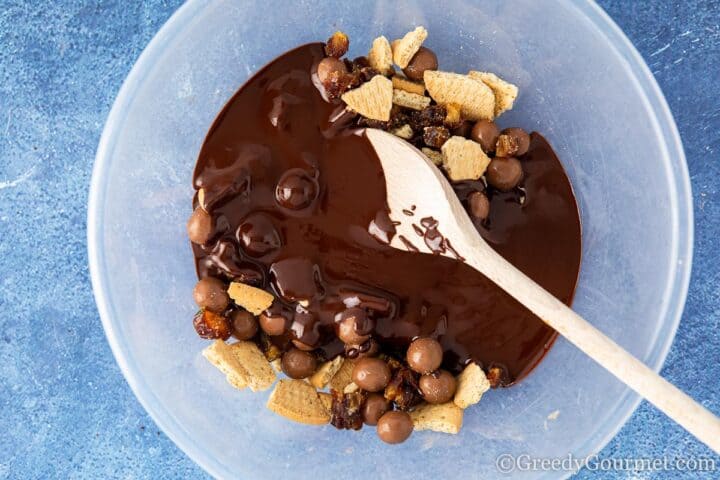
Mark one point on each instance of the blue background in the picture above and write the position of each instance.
(66, 410)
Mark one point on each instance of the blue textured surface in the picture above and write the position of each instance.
(66, 409)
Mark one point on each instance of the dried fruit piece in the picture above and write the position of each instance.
(464, 159)
(380, 56)
(337, 45)
(211, 325)
(497, 376)
(435, 137)
(405, 48)
(254, 300)
(372, 99)
(476, 100)
(410, 100)
(298, 401)
(403, 389)
(506, 146)
(505, 92)
(471, 384)
(444, 418)
(409, 86)
(346, 410)
(403, 132)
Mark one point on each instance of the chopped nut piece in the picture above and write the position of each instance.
(346, 412)
(299, 402)
(410, 100)
(372, 99)
(337, 45)
(453, 119)
(506, 146)
(258, 374)
(403, 389)
(351, 388)
(211, 325)
(404, 48)
(201, 199)
(221, 356)
(505, 92)
(326, 372)
(433, 155)
(326, 400)
(497, 376)
(380, 56)
(471, 384)
(445, 417)
(271, 351)
(254, 300)
(464, 159)
(403, 132)
(409, 86)
(435, 137)
(343, 377)
(476, 100)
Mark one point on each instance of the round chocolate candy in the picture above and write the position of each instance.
(371, 374)
(296, 189)
(258, 236)
(486, 133)
(520, 138)
(210, 293)
(438, 387)
(244, 324)
(298, 364)
(373, 408)
(273, 323)
(504, 173)
(479, 205)
(424, 59)
(329, 67)
(424, 355)
(394, 427)
(351, 327)
(200, 226)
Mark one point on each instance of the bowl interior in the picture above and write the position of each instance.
(581, 85)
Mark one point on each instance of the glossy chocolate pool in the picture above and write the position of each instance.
(294, 187)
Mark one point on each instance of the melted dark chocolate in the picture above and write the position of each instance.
(299, 195)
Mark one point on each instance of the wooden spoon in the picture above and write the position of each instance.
(413, 180)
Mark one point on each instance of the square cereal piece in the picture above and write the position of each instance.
(405, 48)
(505, 92)
(471, 384)
(433, 155)
(326, 372)
(343, 377)
(380, 56)
(221, 356)
(464, 159)
(259, 375)
(409, 86)
(252, 299)
(444, 418)
(326, 400)
(372, 99)
(476, 100)
(404, 132)
(298, 401)
(410, 100)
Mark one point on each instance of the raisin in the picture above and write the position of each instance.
(211, 325)
(337, 45)
(338, 83)
(403, 389)
(346, 412)
(435, 137)
(432, 115)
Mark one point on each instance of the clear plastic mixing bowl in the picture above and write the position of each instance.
(582, 85)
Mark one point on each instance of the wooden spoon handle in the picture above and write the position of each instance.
(677, 405)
